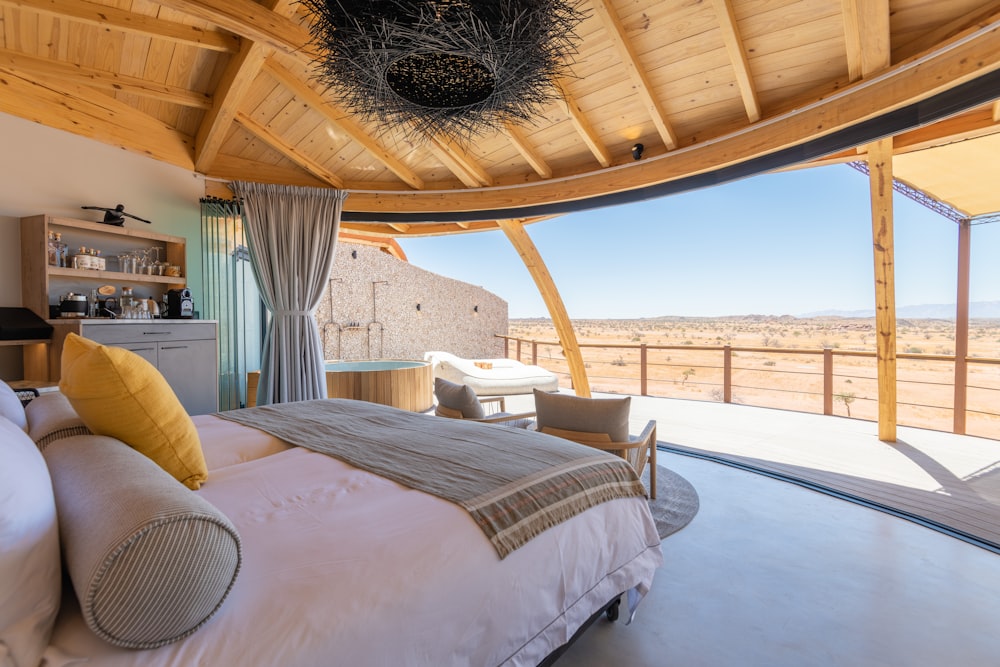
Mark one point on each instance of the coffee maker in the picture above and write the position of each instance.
(179, 304)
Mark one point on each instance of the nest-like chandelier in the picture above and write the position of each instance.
(456, 68)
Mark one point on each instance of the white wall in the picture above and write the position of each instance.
(50, 171)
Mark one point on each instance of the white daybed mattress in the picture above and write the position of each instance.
(343, 567)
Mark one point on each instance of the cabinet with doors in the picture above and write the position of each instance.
(184, 351)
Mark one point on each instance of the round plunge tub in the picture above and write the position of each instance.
(404, 384)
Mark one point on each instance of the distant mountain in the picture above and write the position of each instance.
(927, 311)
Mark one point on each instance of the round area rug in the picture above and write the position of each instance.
(676, 501)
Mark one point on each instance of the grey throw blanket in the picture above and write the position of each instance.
(515, 484)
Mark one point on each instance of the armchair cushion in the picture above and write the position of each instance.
(458, 397)
(593, 415)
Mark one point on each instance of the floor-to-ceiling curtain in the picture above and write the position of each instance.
(292, 235)
(231, 297)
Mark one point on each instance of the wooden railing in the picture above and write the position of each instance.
(825, 381)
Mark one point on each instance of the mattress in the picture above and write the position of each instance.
(343, 567)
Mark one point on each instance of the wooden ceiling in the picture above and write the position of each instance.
(713, 89)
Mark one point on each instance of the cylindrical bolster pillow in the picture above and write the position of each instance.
(150, 560)
(51, 417)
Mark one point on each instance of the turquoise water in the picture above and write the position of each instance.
(373, 365)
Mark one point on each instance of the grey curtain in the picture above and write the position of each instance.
(292, 235)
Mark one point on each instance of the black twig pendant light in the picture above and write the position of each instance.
(456, 68)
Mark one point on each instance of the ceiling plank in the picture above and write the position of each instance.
(630, 60)
(250, 20)
(288, 150)
(585, 129)
(738, 57)
(967, 56)
(124, 20)
(340, 119)
(530, 155)
(102, 80)
(85, 112)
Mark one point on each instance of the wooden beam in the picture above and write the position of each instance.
(102, 80)
(962, 328)
(852, 38)
(996, 111)
(236, 81)
(875, 35)
(256, 22)
(531, 156)
(969, 56)
(738, 57)
(83, 111)
(108, 16)
(458, 162)
(532, 259)
(585, 129)
(880, 181)
(982, 16)
(288, 150)
(342, 121)
(229, 168)
(630, 60)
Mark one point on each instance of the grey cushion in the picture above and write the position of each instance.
(30, 568)
(150, 560)
(51, 417)
(573, 413)
(458, 397)
(11, 408)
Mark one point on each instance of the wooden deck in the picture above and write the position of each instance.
(946, 481)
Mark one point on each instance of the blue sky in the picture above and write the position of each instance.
(777, 244)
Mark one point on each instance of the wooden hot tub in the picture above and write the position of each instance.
(404, 384)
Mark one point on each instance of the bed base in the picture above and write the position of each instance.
(609, 611)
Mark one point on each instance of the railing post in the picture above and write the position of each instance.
(827, 381)
(534, 353)
(727, 374)
(519, 349)
(643, 375)
(506, 348)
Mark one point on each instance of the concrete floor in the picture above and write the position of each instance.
(771, 574)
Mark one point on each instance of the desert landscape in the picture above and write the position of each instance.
(778, 362)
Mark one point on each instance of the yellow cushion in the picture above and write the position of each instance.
(119, 394)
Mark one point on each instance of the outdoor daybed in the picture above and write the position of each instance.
(293, 557)
(492, 377)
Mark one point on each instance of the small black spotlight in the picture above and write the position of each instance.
(637, 151)
(418, 306)
(354, 254)
(475, 309)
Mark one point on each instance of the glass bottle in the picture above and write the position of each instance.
(127, 303)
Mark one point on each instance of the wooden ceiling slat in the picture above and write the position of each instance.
(120, 19)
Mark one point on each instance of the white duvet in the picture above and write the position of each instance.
(342, 567)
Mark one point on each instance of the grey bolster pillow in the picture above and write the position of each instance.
(150, 560)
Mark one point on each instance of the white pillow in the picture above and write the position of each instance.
(11, 408)
(30, 568)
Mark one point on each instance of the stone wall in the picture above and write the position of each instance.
(378, 307)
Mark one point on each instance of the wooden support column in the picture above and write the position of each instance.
(525, 247)
(962, 326)
(880, 180)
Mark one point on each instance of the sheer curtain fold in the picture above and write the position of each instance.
(292, 235)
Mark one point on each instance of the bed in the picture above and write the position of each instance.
(340, 565)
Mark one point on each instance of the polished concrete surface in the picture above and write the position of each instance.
(770, 573)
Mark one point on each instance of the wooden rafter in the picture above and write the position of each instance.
(340, 119)
(531, 156)
(102, 80)
(86, 112)
(584, 128)
(738, 57)
(460, 164)
(852, 38)
(984, 15)
(251, 20)
(630, 60)
(108, 16)
(288, 150)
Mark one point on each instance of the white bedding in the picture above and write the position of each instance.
(342, 567)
